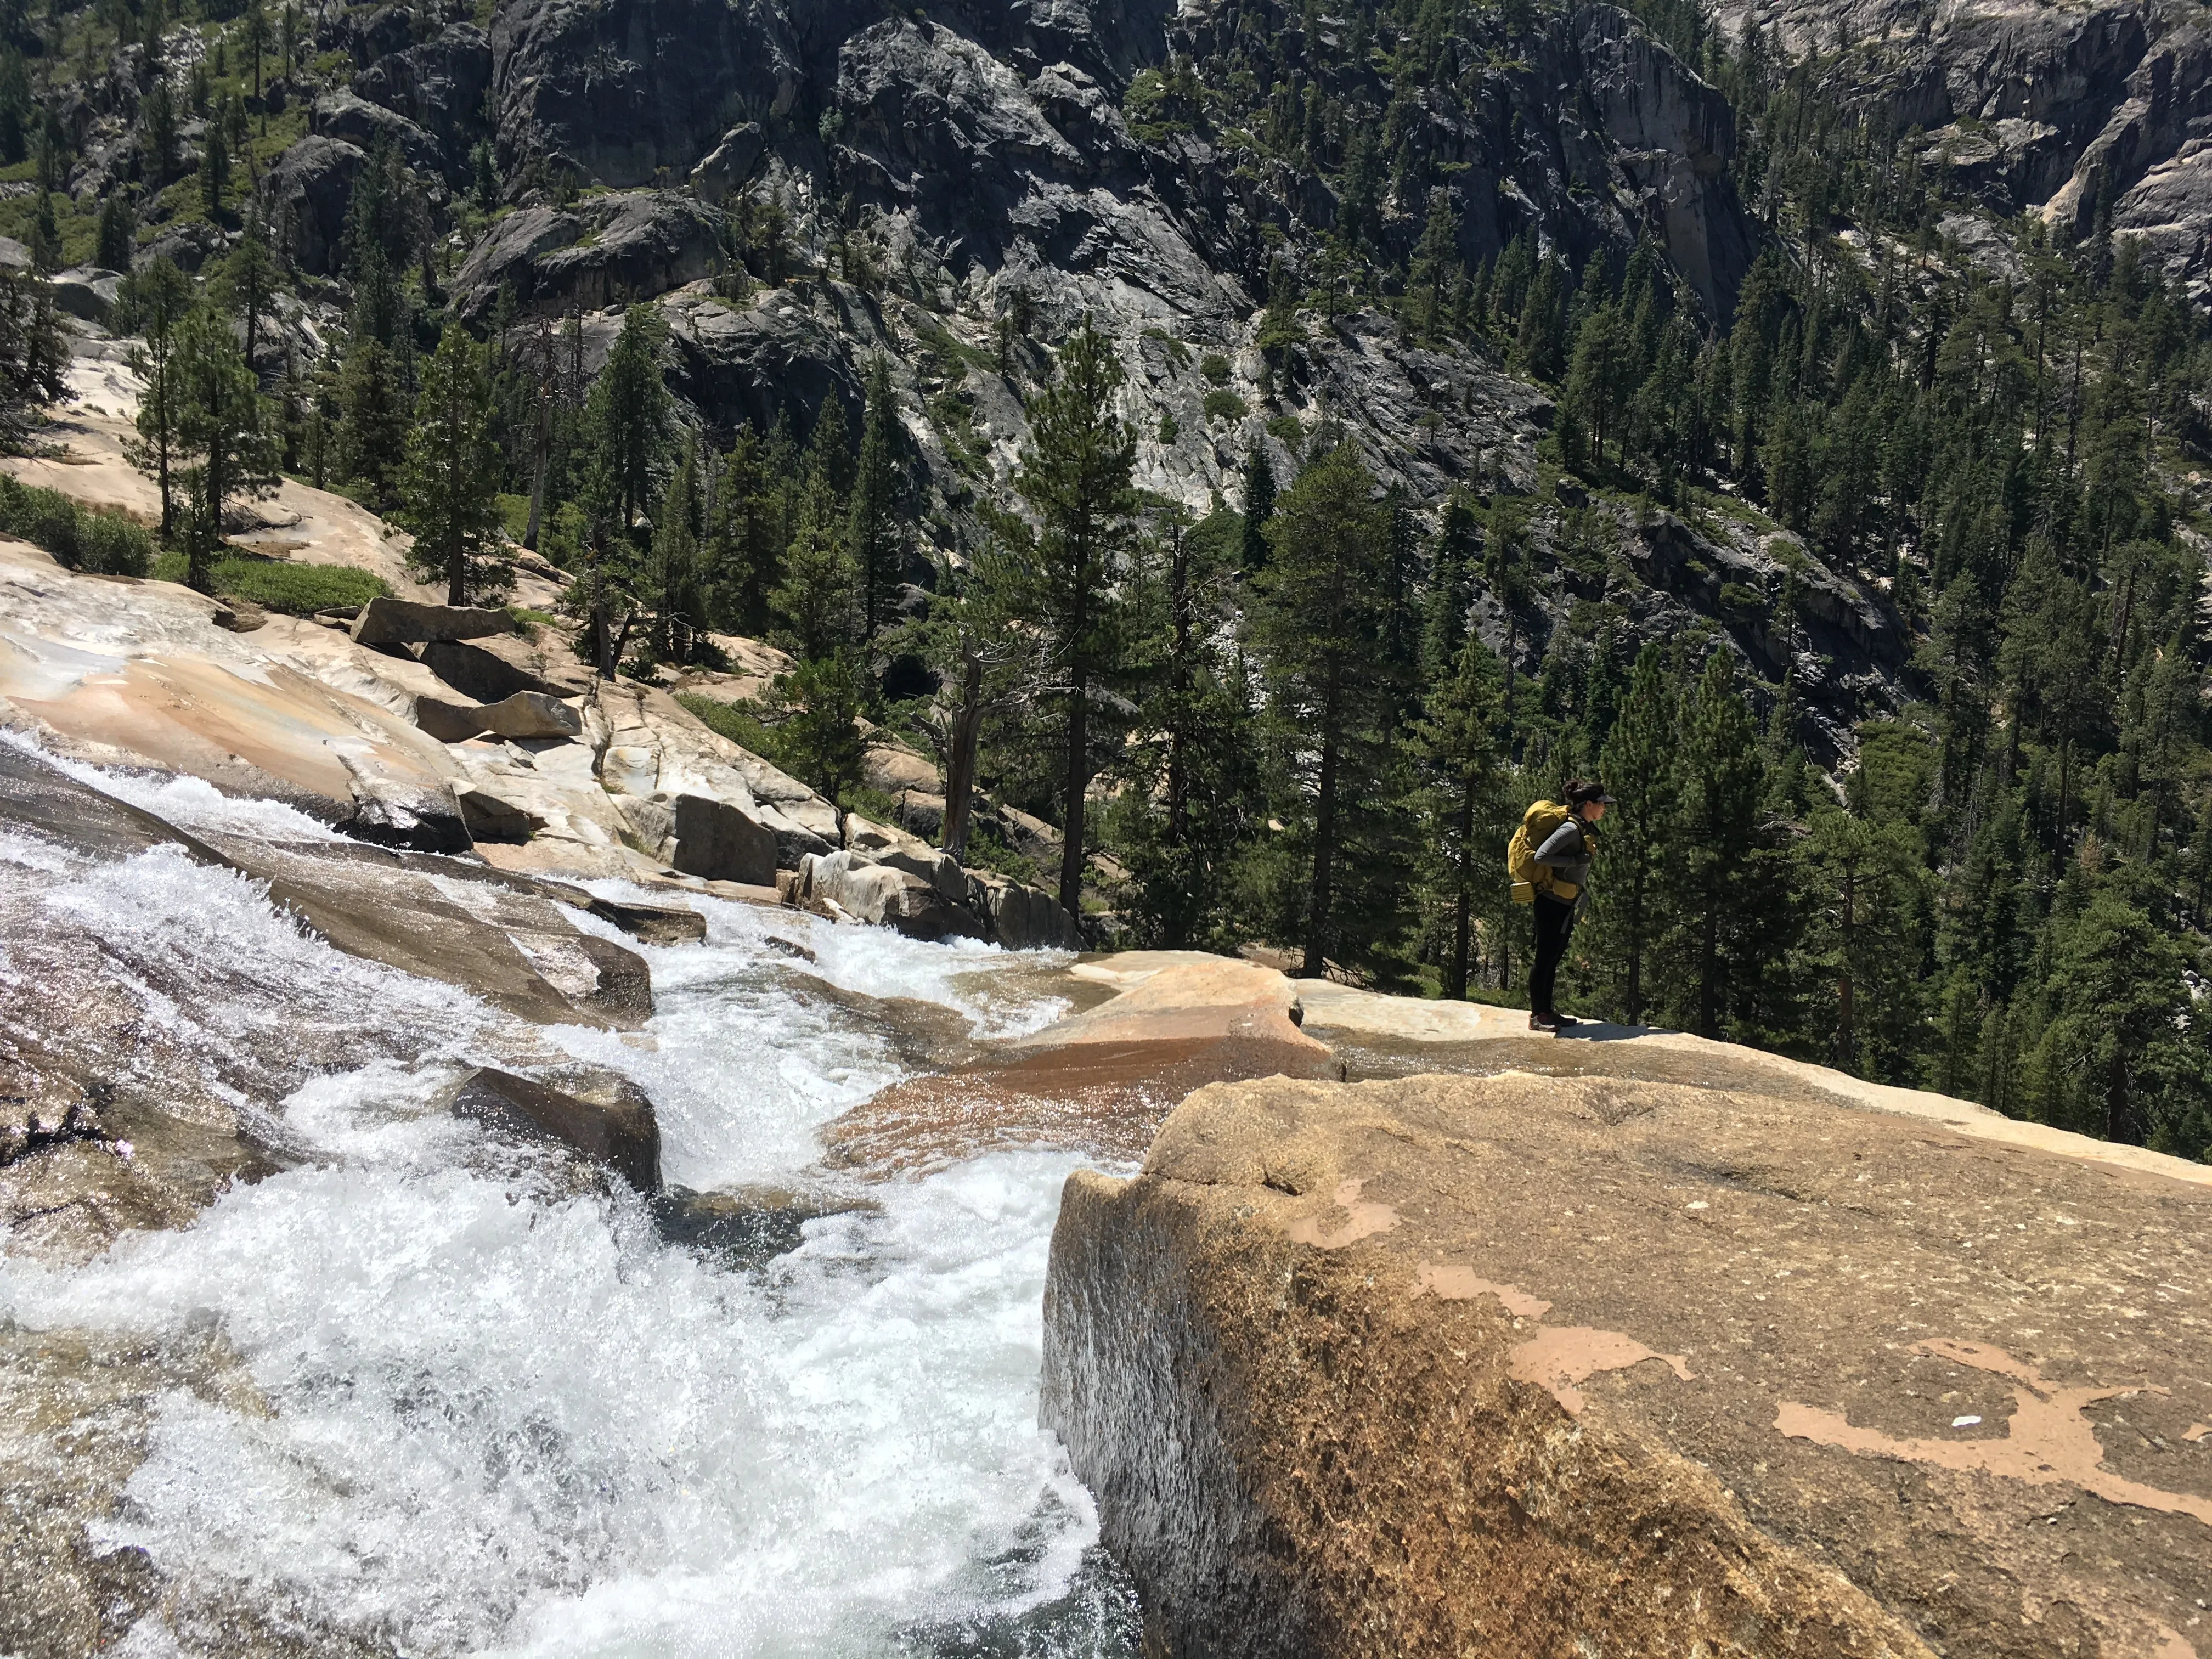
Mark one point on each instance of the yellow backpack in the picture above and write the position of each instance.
(1530, 878)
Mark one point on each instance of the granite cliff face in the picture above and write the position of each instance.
(2081, 113)
(797, 187)
(966, 182)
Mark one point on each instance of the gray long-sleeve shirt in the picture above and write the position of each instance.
(1566, 854)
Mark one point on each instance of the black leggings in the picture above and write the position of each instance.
(1555, 922)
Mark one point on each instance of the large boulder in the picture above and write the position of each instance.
(1024, 918)
(651, 747)
(624, 1135)
(878, 893)
(717, 841)
(307, 194)
(493, 666)
(1569, 1366)
(385, 621)
(603, 251)
(532, 714)
(355, 121)
(87, 291)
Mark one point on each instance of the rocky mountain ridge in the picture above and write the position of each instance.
(796, 189)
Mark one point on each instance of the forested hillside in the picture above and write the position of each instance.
(1272, 445)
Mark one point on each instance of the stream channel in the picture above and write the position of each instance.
(496, 1408)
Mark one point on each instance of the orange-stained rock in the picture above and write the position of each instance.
(1102, 1079)
(1550, 1367)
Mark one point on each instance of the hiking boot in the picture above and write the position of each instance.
(1561, 1022)
(1543, 1022)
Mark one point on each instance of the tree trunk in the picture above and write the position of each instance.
(1179, 679)
(537, 457)
(1846, 1035)
(1463, 901)
(1077, 783)
(1636, 950)
(960, 764)
(1324, 835)
(1709, 1024)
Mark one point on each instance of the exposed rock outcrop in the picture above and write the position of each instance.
(1557, 1366)
(605, 251)
(385, 621)
(1104, 1079)
(307, 192)
(882, 893)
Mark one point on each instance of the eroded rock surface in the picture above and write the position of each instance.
(1102, 1079)
(1557, 1366)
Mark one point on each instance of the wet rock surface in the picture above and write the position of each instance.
(1102, 1079)
(1557, 1366)
(621, 1134)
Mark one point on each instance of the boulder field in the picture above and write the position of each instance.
(438, 729)
(1634, 1345)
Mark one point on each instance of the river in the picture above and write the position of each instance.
(495, 1409)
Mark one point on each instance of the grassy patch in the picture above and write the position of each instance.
(293, 590)
(735, 722)
(513, 514)
(81, 538)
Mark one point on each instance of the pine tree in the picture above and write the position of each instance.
(160, 296)
(249, 277)
(1074, 478)
(814, 604)
(1436, 263)
(449, 480)
(1537, 346)
(872, 525)
(1187, 769)
(222, 435)
(1458, 744)
(119, 234)
(1717, 834)
(1640, 768)
(214, 169)
(626, 417)
(373, 423)
(672, 571)
(1318, 616)
(1258, 504)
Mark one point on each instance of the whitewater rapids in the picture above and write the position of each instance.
(493, 1410)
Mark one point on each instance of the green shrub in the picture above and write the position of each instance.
(1735, 596)
(513, 514)
(740, 726)
(299, 590)
(294, 590)
(1224, 405)
(101, 542)
(1215, 368)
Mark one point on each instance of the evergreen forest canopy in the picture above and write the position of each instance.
(1310, 718)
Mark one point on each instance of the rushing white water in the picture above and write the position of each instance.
(508, 1416)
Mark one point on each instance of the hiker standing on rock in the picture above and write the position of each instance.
(1549, 857)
